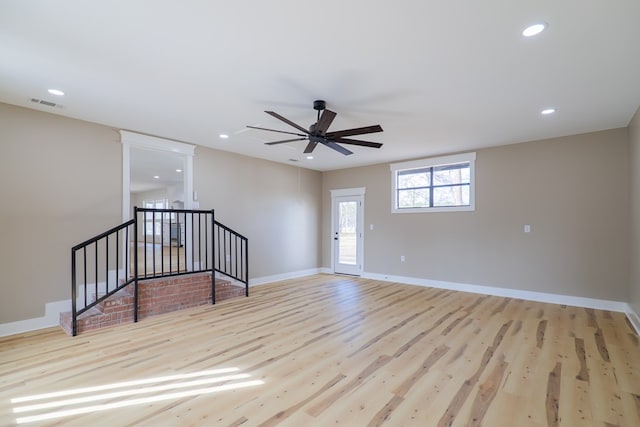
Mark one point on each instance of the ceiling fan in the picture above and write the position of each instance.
(317, 133)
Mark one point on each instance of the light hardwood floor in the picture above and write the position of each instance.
(327, 350)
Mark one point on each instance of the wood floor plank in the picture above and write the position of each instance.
(331, 350)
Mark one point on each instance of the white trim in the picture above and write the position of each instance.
(434, 161)
(634, 318)
(257, 281)
(126, 182)
(154, 143)
(429, 162)
(53, 309)
(51, 318)
(358, 191)
(599, 304)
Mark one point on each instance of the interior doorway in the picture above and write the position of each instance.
(158, 174)
(146, 157)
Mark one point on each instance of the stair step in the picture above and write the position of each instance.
(156, 296)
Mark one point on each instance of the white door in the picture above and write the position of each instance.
(347, 234)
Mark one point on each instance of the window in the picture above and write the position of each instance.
(441, 184)
(152, 226)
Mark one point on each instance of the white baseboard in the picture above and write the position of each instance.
(634, 318)
(285, 276)
(53, 309)
(599, 304)
(51, 318)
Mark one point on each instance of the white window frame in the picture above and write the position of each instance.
(433, 162)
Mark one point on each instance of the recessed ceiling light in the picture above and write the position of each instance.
(156, 177)
(179, 170)
(224, 136)
(309, 157)
(56, 92)
(534, 29)
(548, 111)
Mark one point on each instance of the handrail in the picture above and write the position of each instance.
(100, 236)
(190, 241)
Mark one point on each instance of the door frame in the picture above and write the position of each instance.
(146, 142)
(354, 192)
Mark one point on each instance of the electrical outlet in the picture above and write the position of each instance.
(527, 228)
(401, 258)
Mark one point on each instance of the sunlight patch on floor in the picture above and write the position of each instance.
(127, 393)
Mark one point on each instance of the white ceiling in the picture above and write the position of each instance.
(439, 76)
(146, 165)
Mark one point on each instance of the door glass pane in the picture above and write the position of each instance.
(347, 232)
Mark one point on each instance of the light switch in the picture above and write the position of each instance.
(527, 228)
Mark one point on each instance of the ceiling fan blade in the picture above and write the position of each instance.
(358, 142)
(325, 121)
(273, 130)
(310, 147)
(285, 140)
(287, 121)
(354, 131)
(337, 147)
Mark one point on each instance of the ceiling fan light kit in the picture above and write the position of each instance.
(317, 132)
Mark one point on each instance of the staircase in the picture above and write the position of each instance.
(157, 296)
(159, 261)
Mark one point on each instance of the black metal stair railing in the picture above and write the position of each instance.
(231, 254)
(100, 264)
(155, 243)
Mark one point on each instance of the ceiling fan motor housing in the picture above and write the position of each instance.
(319, 105)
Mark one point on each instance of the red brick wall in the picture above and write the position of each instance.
(170, 294)
(155, 296)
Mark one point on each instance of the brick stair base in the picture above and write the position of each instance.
(156, 296)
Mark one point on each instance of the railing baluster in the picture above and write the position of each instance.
(162, 237)
(193, 266)
(106, 261)
(145, 244)
(206, 244)
(95, 266)
(84, 286)
(117, 257)
(153, 244)
(185, 250)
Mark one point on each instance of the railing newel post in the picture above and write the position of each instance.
(213, 248)
(135, 263)
(74, 319)
(246, 266)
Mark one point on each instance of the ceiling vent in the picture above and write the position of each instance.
(44, 102)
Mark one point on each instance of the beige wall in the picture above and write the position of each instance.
(634, 139)
(60, 183)
(278, 207)
(573, 191)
